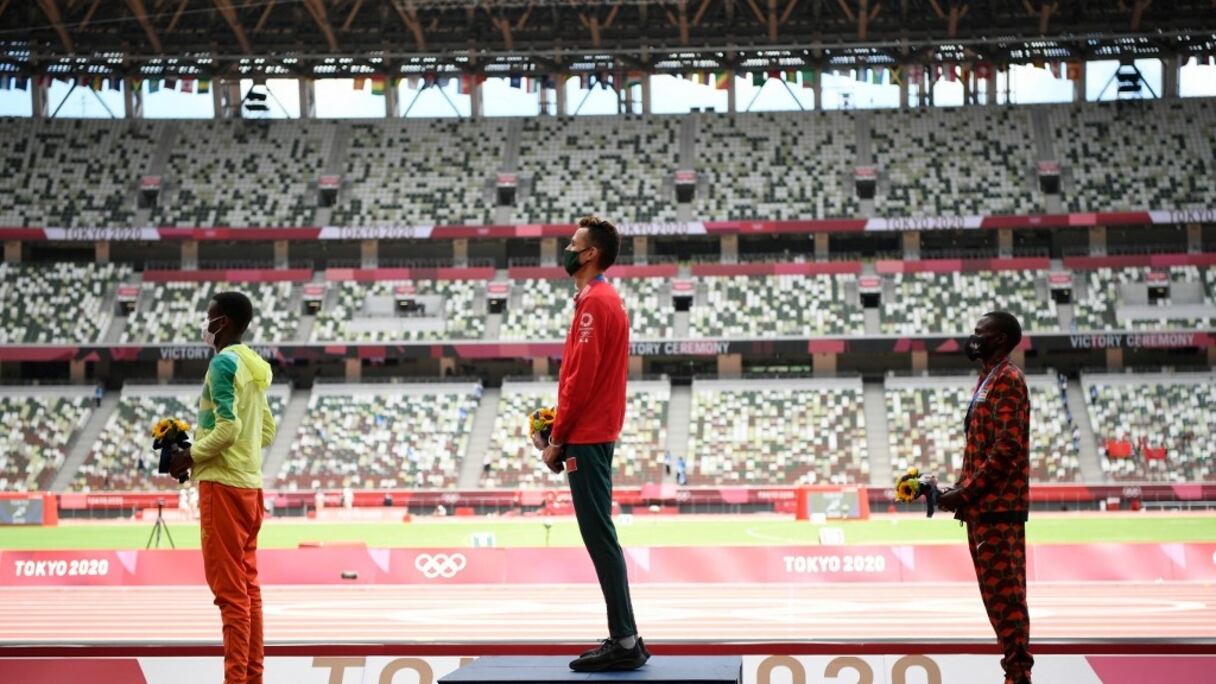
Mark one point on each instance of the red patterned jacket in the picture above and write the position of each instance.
(996, 463)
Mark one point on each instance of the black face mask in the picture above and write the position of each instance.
(978, 347)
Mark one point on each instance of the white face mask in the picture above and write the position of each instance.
(208, 336)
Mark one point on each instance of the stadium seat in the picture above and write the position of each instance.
(366, 312)
(954, 161)
(61, 303)
(776, 166)
(245, 173)
(382, 436)
(618, 167)
(755, 306)
(1096, 307)
(542, 309)
(1149, 154)
(73, 172)
(176, 311)
(753, 432)
(512, 461)
(1135, 416)
(402, 172)
(952, 302)
(925, 424)
(122, 458)
(37, 427)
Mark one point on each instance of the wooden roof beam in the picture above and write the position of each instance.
(229, 13)
(683, 22)
(321, 16)
(141, 14)
(409, 16)
(257, 28)
(350, 18)
(1138, 13)
(51, 10)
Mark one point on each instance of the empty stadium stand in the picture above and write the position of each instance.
(956, 161)
(1154, 427)
(751, 306)
(776, 165)
(386, 435)
(618, 166)
(176, 311)
(122, 458)
(64, 303)
(36, 426)
(946, 302)
(1143, 154)
(367, 312)
(245, 173)
(780, 431)
(512, 461)
(925, 424)
(73, 172)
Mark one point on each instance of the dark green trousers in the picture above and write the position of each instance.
(591, 492)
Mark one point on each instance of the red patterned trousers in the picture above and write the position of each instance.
(999, 553)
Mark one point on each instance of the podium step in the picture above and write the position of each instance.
(659, 670)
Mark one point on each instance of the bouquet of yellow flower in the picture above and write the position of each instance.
(540, 426)
(912, 485)
(168, 436)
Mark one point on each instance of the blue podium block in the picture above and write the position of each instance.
(659, 670)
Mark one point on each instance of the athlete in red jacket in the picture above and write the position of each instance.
(590, 412)
(993, 494)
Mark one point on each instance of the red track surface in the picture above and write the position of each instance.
(837, 612)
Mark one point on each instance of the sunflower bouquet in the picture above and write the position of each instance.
(168, 436)
(912, 485)
(540, 426)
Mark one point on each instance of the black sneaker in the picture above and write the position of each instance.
(607, 643)
(612, 656)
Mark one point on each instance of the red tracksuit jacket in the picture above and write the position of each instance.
(996, 463)
(595, 367)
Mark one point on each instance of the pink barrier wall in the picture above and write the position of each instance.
(367, 275)
(231, 275)
(760, 564)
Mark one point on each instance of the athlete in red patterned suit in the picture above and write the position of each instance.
(993, 494)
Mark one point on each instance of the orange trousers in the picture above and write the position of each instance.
(230, 518)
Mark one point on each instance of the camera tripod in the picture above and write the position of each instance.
(159, 526)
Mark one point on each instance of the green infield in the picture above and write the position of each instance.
(640, 531)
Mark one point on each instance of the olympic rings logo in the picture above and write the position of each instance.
(440, 564)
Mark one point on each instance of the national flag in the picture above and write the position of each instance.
(722, 79)
(876, 75)
(116, 83)
(359, 82)
(137, 84)
(6, 82)
(187, 85)
(170, 84)
(633, 78)
(791, 76)
(774, 73)
(916, 72)
(983, 70)
(605, 80)
(951, 74)
(758, 78)
(1055, 69)
(44, 80)
(98, 83)
(153, 85)
(204, 85)
(808, 78)
(1039, 64)
(23, 82)
(515, 81)
(897, 75)
(377, 85)
(1074, 71)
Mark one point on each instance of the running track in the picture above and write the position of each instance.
(412, 613)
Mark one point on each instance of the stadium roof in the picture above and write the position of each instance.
(331, 38)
